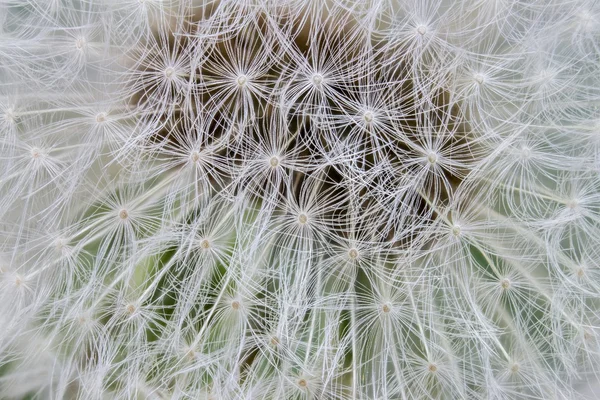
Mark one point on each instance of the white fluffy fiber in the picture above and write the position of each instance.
(299, 199)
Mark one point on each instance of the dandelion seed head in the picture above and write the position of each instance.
(383, 201)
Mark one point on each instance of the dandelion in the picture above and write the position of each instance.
(297, 199)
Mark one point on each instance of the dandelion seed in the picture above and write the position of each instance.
(130, 309)
(10, 116)
(195, 157)
(514, 368)
(59, 244)
(456, 230)
(479, 79)
(353, 254)
(302, 219)
(123, 214)
(572, 204)
(421, 30)
(101, 117)
(274, 162)
(432, 158)
(241, 80)
(36, 153)
(80, 43)
(317, 80)
(191, 355)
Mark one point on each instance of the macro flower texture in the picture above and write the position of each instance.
(299, 199)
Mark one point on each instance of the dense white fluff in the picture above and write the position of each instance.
(299, 199)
